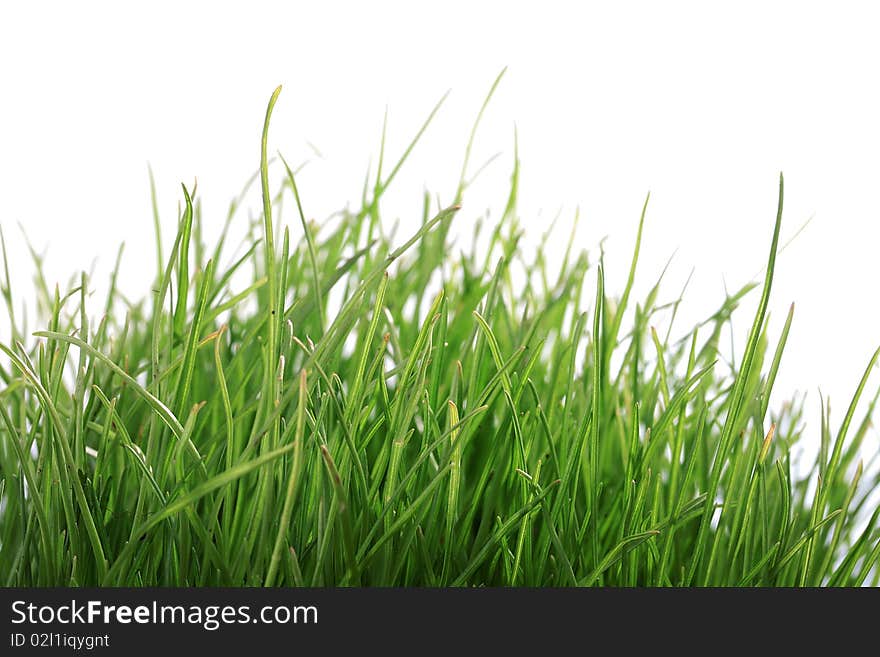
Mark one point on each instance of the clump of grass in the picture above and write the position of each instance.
(220, 433)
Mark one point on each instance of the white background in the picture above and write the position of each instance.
(699, 103)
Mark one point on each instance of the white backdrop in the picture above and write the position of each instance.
(699, 104)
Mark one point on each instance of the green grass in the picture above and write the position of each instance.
(340, 407)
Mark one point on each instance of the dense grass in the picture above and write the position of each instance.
(262, 433)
